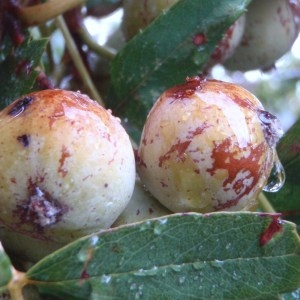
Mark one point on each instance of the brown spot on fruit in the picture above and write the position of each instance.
(40, 210)
(64, 155)
(24, 140)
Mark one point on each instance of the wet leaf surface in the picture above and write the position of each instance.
(190, 256)
(176, 45)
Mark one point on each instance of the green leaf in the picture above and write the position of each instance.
(181, 256)
(288, 149)
(167, 51)
(17, 71)
(5, 270)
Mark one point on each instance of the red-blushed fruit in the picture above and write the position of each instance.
(206, 146)
(67, 169)
(270, 31)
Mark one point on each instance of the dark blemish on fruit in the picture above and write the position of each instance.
(274, 227)
(177, 149)
(106, 185)
(163, 184)
(199, 39)
(151, 211)
(138, 212)
(40, 210)
(24, 140)
(271, 127)
(20, 106)
(13, 180)
(64, 155)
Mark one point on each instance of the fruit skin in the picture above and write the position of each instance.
(67, 167)
(270, 31)
(204, 147)
(142, 206)
(139, 13)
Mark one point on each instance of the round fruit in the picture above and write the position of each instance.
(270, 31)
(142, 206)
(139, 13)
(207, 146)
(67, 167)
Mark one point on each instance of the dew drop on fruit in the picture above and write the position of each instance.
(277, 177)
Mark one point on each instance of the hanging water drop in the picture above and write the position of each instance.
(159, 226)
(277, 177)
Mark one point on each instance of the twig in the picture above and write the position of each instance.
(41, 13)
(106, 52)
(86, 78)
(265, 204)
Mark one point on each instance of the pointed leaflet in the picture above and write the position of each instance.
(288, 149)
(5, 270)
(17, 70)
(192, 256)
(176, 45)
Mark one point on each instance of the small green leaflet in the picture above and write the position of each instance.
(168, 51)
(17, 71)
(5, 267)
(182, 256)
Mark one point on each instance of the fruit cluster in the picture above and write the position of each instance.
(255, 41)
(68, 167)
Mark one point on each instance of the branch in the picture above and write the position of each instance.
(41, 13)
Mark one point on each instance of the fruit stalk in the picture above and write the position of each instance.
(85, 76)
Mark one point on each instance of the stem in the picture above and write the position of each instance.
(85, 76)
(265, 203)
(106, 52)
(15, 286)
(41, 13)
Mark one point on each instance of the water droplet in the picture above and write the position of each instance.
(105, 279)
(271, 127)
(159, 226)
(145, 226)
(176, 268)
(143, 272)
(277, 177)
(133, 287)
(228, 246)
(198, 265)
(217, 263)
(181, 279)
(235, 276)
(83, 255)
